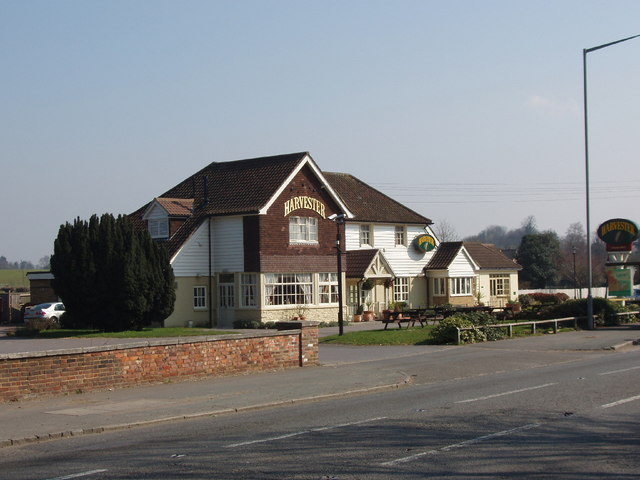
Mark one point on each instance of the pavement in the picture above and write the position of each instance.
(361, 370)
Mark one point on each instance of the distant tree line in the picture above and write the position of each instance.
(547, 259)
(5, 264)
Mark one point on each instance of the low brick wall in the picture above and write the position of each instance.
(27, 375)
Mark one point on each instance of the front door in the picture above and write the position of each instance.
(226, 300)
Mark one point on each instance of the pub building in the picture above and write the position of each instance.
(255, 240)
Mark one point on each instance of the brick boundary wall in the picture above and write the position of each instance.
(34, 374)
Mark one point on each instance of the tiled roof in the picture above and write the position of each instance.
(358, 261)
(226, 188)
(486, 256)
(370, 205)
(246, 186)
(181, 207)
(444, 255)
(489, 257)
(242, 186)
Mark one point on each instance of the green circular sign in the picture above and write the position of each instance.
(618, 231)
(424, 243)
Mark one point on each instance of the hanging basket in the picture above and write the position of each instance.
(368, 284)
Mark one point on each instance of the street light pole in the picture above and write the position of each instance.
(575, 278)
(339, 220)
(590, 324)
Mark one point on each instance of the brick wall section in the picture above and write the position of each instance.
(26, 375)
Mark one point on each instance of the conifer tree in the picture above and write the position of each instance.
(111, 276)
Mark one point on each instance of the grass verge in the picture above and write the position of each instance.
(395, 336)
(144, 333)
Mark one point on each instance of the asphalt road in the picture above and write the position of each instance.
(483, 412)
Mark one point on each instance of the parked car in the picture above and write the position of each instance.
(51, 312)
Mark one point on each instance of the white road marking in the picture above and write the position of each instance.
(618, 371)
(620, 402)
(460, 445)
(78, 475)
(302, 432)
(506, 393)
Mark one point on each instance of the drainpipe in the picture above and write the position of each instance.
(210, 272)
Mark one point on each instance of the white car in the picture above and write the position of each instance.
(48, 311)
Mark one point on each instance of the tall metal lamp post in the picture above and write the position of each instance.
(339, 220)
(575, 277)
(590, 324)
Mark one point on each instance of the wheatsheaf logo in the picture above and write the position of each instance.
(424, 243)
(618, 231)
(304, 202)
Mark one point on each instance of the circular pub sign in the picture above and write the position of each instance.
(424, 243)
(618, 231)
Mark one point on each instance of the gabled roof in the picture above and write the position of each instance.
(489, 257)
(241, 187)
(484, 255)
(444, 255)
(363, 263)
(371, 205)
(175, 207)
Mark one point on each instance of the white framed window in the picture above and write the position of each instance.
(401, 289)
(499, 285)
(401, 235)
(353, 295)
(328, 287)
(199, 298)
(303, 230)
(288, 289)
(461, 286)
(159, 227)
(248, 290)
(440, 286)
(226, 297)
(365, 235)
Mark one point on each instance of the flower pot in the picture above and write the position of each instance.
(357, 318)
(367, 316)
(386, 314)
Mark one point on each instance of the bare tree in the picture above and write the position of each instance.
(445, 231)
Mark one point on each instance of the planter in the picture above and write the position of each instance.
(367, 316)
(386, 314)
(357, 318)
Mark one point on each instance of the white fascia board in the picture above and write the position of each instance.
(307, 160)
(194, 232)
(152, 206)
(474, 265)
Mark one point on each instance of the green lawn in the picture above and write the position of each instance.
(391, 336)
(14, 278)
(145, 333)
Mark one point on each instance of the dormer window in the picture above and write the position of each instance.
(159, 227)
(165, 215)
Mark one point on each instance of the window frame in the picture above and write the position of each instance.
(503, 290)
(401, 289)
(292, 286)
(303, 230)
(248, 290)
(365, 236)
(460, 286)
(330, 285)
(440, 287)
(400, 236)
(200, 302)
(158, 227)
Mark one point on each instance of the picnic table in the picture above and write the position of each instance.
(410, 317)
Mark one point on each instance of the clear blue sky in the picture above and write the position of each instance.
(469, 112)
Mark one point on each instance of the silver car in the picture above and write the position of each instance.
(47, 311)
